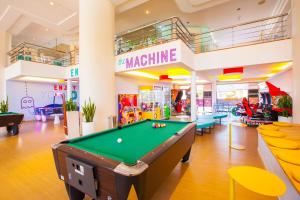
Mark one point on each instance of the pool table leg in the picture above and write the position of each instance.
(74, 194)
(186, 156)
(12, 130)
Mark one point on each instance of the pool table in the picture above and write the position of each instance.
(11, 120)
(103, 167)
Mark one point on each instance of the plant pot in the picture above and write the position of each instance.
(73, 124)
(88, 128)
(285, 119)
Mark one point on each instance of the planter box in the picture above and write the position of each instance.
(88, 128)
(285, 119)
(73, 124)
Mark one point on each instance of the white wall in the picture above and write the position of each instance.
(284, 81)
(42, 93)
(130, 85)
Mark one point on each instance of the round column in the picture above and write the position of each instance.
(296, 59)
(96, 58)
(5, 46)
(193, 96)
(69, 89)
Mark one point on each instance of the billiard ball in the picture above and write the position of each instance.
(153, 125)
(119, 140)
(119, 127)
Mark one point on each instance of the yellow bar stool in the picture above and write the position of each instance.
(256, 180)
(235, 146)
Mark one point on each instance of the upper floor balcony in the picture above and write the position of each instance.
(255, 32)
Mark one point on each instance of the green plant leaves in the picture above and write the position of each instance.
(4, 105)
(71, 106)
(89, 110)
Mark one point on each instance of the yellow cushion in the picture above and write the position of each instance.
(283, 124)
(290, 156)
(296, 175)
(282, 143)
(271, 133)
(269, 127)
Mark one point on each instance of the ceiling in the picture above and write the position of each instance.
(43, 21)
(254, 73)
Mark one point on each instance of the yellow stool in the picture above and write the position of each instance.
(256, 180)
(235, 146)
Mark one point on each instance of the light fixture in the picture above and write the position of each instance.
(51, 3)
(147, 12)
(46, 29)
(142, 74)
(179, 77)
(230, 77)
(201, 81)
(40, 79)
(269, 75)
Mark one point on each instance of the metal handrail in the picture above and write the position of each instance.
(36, 53)
(174, 29)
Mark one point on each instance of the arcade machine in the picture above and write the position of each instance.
(155, 101)
(128, 110)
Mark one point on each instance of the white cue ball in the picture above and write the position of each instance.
(119, 140)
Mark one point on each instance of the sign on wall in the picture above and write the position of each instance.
(163, 54)
(74, 72)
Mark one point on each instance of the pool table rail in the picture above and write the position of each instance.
(115, 178)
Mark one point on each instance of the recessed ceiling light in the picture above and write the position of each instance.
(147, 12)
(34, 39)
(51, 3)
(46, 29)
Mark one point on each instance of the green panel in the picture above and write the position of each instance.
(8, 113)
(137, 140)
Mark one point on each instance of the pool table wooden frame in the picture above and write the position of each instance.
(11, 121)
(113, 179)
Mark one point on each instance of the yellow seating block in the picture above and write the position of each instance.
(296, 175)
(282, 143)
(258, 180)
(269, 127)
(271, 133)
(282, 124)
(290, 156)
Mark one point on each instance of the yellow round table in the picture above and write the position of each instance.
(256, 180)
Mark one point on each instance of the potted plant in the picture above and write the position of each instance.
(4, 106)
(285, 105)
(3, 109)
(88, 125)
(73, 122)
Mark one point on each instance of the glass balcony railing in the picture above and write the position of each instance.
(34, 53)
(254, 32)
(259, 31)
(152, 34)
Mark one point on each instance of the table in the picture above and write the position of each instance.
(101, 167)
(202, 124)
(219, 116)
(256, 180)
(11, 120)
(56, 117)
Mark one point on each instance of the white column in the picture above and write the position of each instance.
(96, 59)
(193, 96)
(5, 45)
(296, 59)
(213, 94)
(69, 89)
